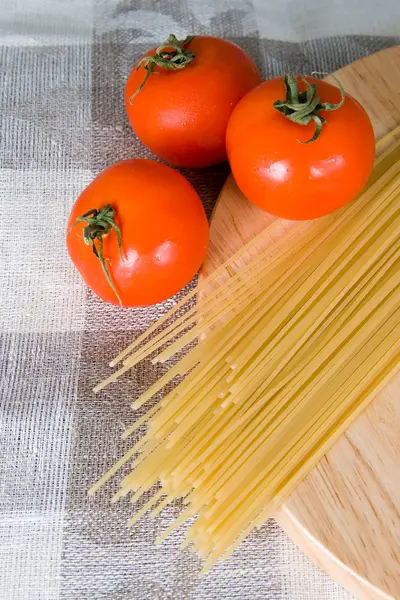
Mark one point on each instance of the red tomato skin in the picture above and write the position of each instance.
(289, 179)
(163, 226)
(182, 115)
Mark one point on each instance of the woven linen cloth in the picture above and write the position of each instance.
(63, 65)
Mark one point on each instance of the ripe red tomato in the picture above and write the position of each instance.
(182, 114)
(297, 180)
(163, 230)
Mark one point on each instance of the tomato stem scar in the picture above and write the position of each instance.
(303, 107)
(99, 223)
(171, 55)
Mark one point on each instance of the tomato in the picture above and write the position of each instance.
(182, 114)
(163, 230)
(297, 180)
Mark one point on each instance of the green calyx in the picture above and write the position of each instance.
(100, 223)
(171, 55)
(304, 107)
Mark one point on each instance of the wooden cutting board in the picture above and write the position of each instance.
(346, 513)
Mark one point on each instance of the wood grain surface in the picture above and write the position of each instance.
(346, 513)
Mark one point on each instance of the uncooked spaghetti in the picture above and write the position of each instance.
(295, 334)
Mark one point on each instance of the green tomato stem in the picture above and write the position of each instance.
(100, 223)
(171, 55)
(304, 107)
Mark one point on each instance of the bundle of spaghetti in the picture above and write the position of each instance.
(292, 343)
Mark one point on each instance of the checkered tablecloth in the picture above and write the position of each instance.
(63, 65)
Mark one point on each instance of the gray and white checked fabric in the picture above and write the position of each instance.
(62, 70)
